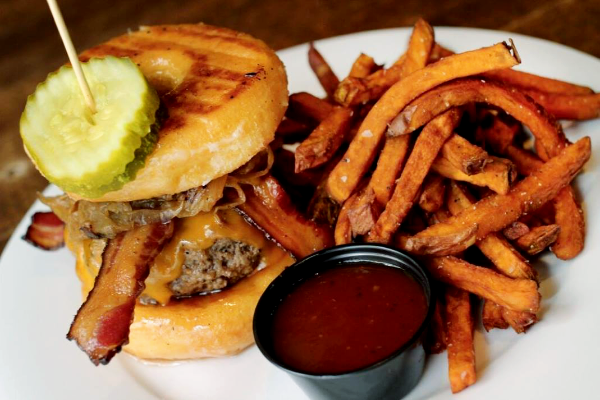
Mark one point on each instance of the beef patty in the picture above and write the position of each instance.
(221, 265)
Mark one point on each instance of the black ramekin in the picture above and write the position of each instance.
(390, 378)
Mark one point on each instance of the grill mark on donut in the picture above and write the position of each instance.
(247, 82)
(108, 49)
(228, 36)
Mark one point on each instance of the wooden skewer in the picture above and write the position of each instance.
(66, 38)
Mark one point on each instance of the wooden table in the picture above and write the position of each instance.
(32, 48)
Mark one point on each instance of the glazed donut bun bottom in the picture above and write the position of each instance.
(212, 325)
(224, 93)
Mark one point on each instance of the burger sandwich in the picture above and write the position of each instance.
(176, 225)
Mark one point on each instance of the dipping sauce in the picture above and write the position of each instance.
(347, 318)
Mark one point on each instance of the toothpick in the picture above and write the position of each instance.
(66, 38)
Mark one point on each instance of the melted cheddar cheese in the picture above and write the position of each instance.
(200, 231)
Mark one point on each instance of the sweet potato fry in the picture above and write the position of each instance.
(424, 152)
(525, 161)
(491, 316)
(304, 106)
(568, 106)
(526, 196)
(538, 239)
(438, 52)
(320, 146)
(364, 212)
(343, 228)
(322, 70)
(504, 256)
(519, 320)
(467, 157)
(498, 174)
(524, 80)
(363, 66)
(435, 337)
(515, 294)
(544, 127)
(390, 163)
(283, 170)
(567, 213)
(433, 194)
(271, 209)
(292, 131)
(362, 151)
(353, 91)
(459, 333)
(500, 134)
(444, 244)
(515, 230)
(569, 216)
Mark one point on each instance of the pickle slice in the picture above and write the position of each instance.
(84, 153)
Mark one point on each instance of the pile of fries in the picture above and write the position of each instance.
(430, 156)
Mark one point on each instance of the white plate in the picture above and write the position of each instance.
(556, 359)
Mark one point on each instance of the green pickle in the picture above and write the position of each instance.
(84, 153)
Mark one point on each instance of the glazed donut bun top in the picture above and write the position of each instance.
(225, 93)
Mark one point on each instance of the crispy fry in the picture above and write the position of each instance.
(519, 320)
(491, 316)
(433, 194)
(435, 337)
(544, 127)
(526, 196)
(292, 131)
(443, 244)
(270, 208)
(390, 163)
(394, 151)
(568, 106)
(321, 208)
(363, 66)
(498, 174)
(538, 238)
(283, 170)
(467, 157)
(524, 80)
(500, 134)
(459, 333)
(504, 256)
(516, 294)
(438, 52)
(424, 152)
(353, 91)
(515, 230)
(525, 161)
(568, 214)
(343, 228)
(362, 151)
(364, 212)
(322, 70)
(320, 146)
(304, 106)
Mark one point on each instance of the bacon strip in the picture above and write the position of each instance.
(268, 206)
(46, 231)
(101, 326)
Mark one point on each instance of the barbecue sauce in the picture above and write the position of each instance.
(347, 318)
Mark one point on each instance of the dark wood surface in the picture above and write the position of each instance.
(31, 46)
